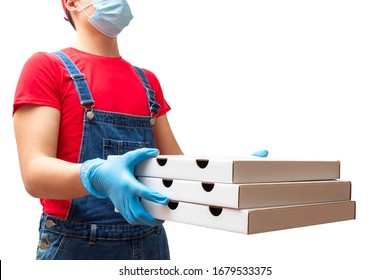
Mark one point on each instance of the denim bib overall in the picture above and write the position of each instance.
(93, 229)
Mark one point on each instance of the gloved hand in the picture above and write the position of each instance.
(115, 179)
(260, 153)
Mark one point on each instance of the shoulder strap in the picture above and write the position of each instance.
(153, 105)
(78, 80)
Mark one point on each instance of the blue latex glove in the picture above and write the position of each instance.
(114, 179)
(260, 153)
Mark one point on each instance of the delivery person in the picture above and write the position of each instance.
(72, 109)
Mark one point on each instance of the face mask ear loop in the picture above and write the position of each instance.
(83, 8)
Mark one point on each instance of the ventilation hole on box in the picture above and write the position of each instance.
(173, 205)
(162, 161)
(215, 211)
(167, 182)
(202, 163)
(208, 187)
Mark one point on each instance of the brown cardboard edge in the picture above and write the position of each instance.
(245, 164)
(339, 163)
(350, 190)
(244, 186)
(347, 204)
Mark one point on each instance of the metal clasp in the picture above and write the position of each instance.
(90, 113)
(152, 120)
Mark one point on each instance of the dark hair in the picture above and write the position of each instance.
(70, 19)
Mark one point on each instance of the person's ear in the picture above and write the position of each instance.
(71, 5)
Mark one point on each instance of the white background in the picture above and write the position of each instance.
(303, 79)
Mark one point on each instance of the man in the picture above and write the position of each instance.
(74, 108)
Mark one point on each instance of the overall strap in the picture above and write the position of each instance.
(153, 105)
(78, 79)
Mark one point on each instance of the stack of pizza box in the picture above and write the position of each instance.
(247, 194)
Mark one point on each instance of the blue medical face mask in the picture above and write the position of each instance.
(111, 16)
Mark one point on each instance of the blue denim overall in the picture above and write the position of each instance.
(93, 229)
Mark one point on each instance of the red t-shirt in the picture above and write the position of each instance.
(114, 85)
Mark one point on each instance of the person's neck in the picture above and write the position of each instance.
(98, 45)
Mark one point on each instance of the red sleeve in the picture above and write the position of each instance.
(155, 85)
(39, 82)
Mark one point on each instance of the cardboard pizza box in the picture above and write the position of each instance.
(237, 170)
(250, 195)
(251, 221)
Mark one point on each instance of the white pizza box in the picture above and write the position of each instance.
(251, 221)
(237, 169)
(250, 195)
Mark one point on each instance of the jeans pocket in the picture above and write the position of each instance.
(49, 245)
(120, 147)
(155, 246)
